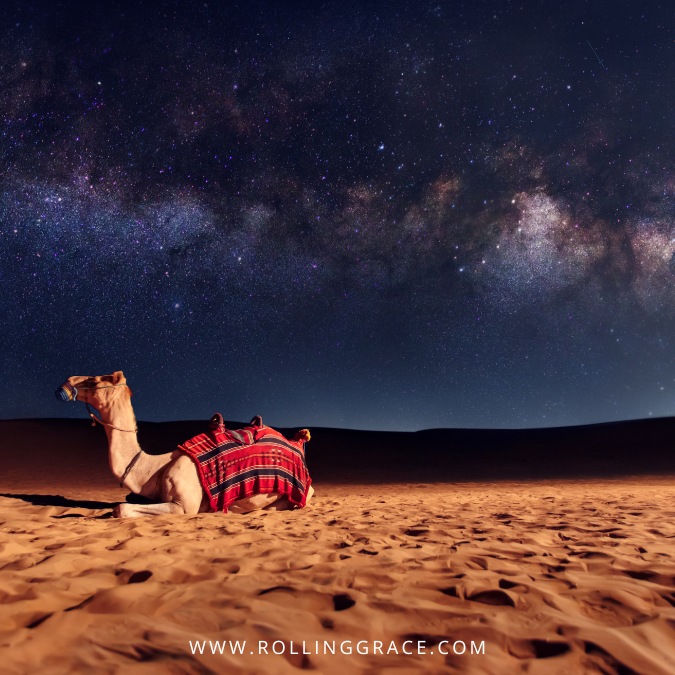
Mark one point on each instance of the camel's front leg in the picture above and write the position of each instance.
(135, 510)
(179, 488)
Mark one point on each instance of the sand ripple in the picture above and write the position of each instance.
(557, 577)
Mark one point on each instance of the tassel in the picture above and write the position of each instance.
(303, 435)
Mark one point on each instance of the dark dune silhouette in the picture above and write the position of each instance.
(639, 447)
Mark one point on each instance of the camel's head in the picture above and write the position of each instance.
(93, 389)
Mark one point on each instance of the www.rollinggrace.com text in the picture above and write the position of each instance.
(345, 647)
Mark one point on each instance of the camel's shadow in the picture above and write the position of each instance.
(58, 500)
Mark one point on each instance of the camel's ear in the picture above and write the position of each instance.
(118, 377)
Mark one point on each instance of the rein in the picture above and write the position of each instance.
(95, 419)
(100, 421)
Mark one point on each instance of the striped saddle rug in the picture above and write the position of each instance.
(257, 459)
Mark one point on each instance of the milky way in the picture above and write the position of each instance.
(387, 216)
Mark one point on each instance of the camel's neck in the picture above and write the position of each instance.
(123, 447)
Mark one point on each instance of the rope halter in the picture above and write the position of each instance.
(68, 392)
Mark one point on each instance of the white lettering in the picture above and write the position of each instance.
(303, 648)
(407, 642)
(283, 647)
(260, 646)
(454, 647)
(292, 652)
(377, 647)
(217, 646)
(421, 645)
(480, 649)
(342, 647)
(330, 649)
(358, 647)
(392, 646)
(444, 642)
(237, 648)
(197, 646)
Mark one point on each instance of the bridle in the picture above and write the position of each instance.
(95, 419)
(100, 421)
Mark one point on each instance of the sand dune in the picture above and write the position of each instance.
(542, 575)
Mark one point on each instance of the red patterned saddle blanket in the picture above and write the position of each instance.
(234, 464)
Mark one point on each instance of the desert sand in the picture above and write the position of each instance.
(540, 575)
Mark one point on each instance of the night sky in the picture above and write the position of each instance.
(375, 215)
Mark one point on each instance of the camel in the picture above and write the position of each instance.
(170, 478)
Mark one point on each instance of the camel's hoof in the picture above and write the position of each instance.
(121, 511)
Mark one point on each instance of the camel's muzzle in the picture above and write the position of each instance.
(66, 392)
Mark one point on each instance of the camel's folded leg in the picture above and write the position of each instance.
(255, 503)
(136, 510)
(270, 502)
(282, 504)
